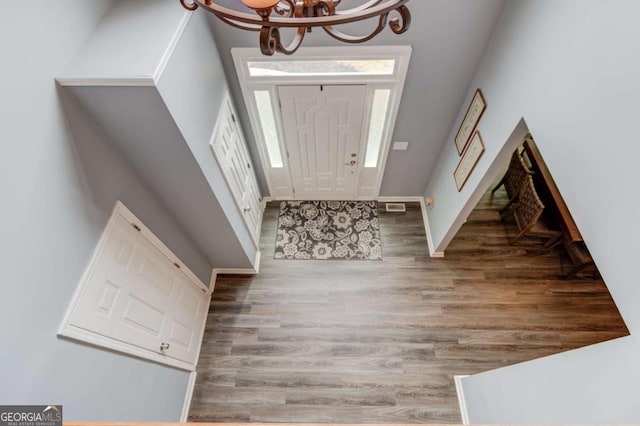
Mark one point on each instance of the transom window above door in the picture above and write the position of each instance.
(306, 149)
(319, 67)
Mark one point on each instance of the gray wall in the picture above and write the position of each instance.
(593, 385)
(193, 85)
(571, 70)
(59, 181)
(164, 130)
(448, 38)
(138, 122)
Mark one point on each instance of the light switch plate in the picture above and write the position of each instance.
(400, 146)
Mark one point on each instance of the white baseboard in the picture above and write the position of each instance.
(405, 199)
(425, 218)
(427, 230)
(235, 271)
(461, 401)
(187, 398)
(269, 199)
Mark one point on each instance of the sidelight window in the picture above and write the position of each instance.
(379, 110)
(268, 126)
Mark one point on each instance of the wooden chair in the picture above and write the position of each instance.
(527, 211)
(513, 179)
(580, 257)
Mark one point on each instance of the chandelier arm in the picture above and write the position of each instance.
(189, 5)
(298, 12)
(374, 8)
(401, 24)
(346, 38)
(289, 11)
(241, 26)
(367, 5)
(270, 41)
(304, 15)
(327, 8)
(295, 43)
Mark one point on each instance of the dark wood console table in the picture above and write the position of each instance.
(558, 210)
(549, 192)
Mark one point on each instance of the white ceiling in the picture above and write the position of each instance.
(448, 37)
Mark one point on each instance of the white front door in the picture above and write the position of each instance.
(323, 130)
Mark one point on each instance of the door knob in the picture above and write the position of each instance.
(164, 346)
(246, 209)
(351, 163)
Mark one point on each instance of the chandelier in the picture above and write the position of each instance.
(303, 15)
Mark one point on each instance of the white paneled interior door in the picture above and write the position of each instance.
(135, 295)
(229, 147)
(322, 131)
(129, 294)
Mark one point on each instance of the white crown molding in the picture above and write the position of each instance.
(145, 81)
(171, 47)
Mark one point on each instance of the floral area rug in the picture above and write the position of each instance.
(328, 230)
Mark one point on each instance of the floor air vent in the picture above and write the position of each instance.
(396, 207)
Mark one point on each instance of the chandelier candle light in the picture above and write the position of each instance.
(272, 15)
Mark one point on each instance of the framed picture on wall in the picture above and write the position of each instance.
(470, 121)
(468, 161)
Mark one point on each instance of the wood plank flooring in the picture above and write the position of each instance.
(379, 342)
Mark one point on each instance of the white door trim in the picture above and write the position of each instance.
(68, 330)
(395, 82)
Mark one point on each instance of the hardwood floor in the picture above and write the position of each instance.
(379, 342)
